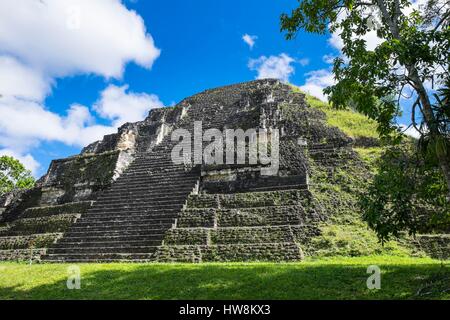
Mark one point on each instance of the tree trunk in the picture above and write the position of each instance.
(430, 120)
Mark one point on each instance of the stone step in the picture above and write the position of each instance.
(102, 250)
(118, 227)
(138, 204)
(123, 223)
(99, 257)
(126, 207)
(150, 212)
(130, 231)
(134, 215)
(157, 170)
(162, 182)
(127, 218)
(148, 199)
(129, 196)
(103, 244)
(172, 183)
(46, 211)
(139, 194)
(277, 188)
(282, 251)
(152, 163)
(96, 240)
(153, 187)
(146, 172)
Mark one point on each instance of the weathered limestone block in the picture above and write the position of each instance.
(193, 218)
(241, 235)
(254, 252)
(230, 253)
(436, 246)
(283, 215)
(30, 241)
(303, 234)
(50, 224)
(78, 178)
(22, 255)
(186, 253)
(22, 200)
(7, 198)
(189, 236)
(246, 181)
(263, 199)
(202, 201)
(67, 208)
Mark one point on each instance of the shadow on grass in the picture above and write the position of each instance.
(253, 281)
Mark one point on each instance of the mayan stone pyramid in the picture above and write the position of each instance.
(124, 199)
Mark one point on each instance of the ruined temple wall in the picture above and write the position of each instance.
(85, 176)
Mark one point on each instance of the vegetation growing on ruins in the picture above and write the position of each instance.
(406, 190)
(411, 188)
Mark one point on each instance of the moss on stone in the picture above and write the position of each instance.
(68, 208)
(29, 241)
(52, 224)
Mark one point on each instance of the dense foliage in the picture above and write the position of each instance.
(13, 175)
(408, 193)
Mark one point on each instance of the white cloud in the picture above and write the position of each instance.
(250, 40)
(278, 67)
(30, 123)
(21, 81)
(410, 131)
(317, 81)
(41, 40)
(78, 127)
(303, 62)
(61, 38)
(27, 160)
(121, 107)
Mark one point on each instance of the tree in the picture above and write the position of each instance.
(408, 193)
(13, 175)
(411, 58)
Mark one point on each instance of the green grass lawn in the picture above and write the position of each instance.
(333, 278)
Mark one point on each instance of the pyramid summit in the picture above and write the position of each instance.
(124, 198)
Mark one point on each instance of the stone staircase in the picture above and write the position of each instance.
(128, 221)
(251, 226)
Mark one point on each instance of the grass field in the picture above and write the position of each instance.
(332, 278)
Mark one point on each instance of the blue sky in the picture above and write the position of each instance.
(91, 65)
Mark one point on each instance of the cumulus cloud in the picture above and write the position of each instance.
(43, 40)
(278, 67)
(316, 81)
(61, 38)
(30, 122)
(121, 107)
(250, 40)
(21, 81)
